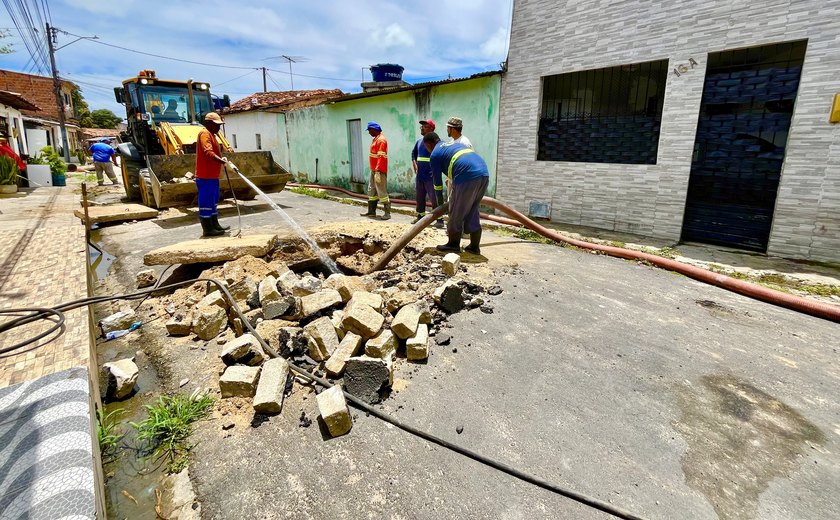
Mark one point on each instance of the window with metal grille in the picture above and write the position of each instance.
(234, 140)
(259, 142)
(607, 115)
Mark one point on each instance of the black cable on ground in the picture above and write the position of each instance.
(45, 313)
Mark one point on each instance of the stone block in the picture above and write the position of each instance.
(306, 285)
(336, 318)
(272, 386)
(417, 346)
(117, 321)
(214, 298)
(334, 412)
(220, 249)
(121, 376)
(208, 322)
(269, 332)
(383, 345)
(406, 321)
(425, 311)
(368, 298)
(400, 299)
(244, 289)
(365, 377)
(146, 278)
(319, 301)
(347, 286)
(450, 297)
(245, 349)
(363, 320)
(239, 381)
(322, 339)
(272, 302)
(348, 348)
(179, 325)
(450, 263)
(287, 282)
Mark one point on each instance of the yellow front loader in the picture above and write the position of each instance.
(158, 148)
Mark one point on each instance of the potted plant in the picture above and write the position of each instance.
(38, 172)
(8, 174)
(57, 166)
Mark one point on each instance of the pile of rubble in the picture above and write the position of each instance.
(349, 329)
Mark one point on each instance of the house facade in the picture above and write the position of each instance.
(41, 128)
(695, 121)
(327, 143)
(11, 120)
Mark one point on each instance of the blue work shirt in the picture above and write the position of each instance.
(421, 155)
(102, 152)
(458, 162)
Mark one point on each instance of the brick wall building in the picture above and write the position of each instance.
(702, 121)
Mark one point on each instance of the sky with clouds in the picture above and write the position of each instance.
(335, 41)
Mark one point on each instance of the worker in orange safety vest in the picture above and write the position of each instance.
(378, 182)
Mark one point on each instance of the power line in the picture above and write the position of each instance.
(22, 23)
(313, 77)
(100, 42)
(234, 79)
(275, 83)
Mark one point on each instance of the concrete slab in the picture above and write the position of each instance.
(221, 249)
(117, 213)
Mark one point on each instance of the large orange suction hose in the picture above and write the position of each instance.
(758, 292)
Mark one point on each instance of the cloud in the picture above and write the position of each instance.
(496, 45)
(393, 36)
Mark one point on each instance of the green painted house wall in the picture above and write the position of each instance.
(322, 133)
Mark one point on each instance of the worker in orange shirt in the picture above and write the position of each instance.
(378, 181)
(208, 166)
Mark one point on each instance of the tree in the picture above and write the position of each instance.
(104, 118)
(5, 49)
(81, 108)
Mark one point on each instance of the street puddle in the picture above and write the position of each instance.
(739, 439)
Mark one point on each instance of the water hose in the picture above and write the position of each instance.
(749, 289)
(46, 313)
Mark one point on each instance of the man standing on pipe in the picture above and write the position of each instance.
(208, 166)
(425, 184)
(468, 174)
(378, 181)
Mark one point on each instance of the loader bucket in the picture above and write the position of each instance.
(169, 187)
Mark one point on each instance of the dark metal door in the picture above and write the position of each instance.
(742, 132)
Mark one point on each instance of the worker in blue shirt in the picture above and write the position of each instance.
(425, 185)
(469, 177)
(103, 157)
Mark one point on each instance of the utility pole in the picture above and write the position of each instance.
(265, 87)
(59, 99)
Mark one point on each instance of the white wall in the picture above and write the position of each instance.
(37, 139)
(246, 125)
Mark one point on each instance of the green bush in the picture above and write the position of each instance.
(80, 155)
(8, 170)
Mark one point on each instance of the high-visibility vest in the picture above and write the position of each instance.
(379, 154)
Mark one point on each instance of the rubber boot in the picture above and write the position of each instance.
(371, 212)
(475, 240)
(208, 230)
(387, 214)
(453, 245)
(417, 218)
(218, 225)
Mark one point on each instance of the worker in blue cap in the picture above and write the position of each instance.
(378, 182)
(104, 160)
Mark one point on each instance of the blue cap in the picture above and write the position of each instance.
(374, 125)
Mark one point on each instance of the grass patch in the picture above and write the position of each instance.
(165, 433)
(780, 282)
(106, 432)
(309, 192)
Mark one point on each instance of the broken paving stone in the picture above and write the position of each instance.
(245, 349)
(450, 297)
(208, 322)
(365, 377)
(494, 291)
(406, 321)
(273, 303)
(383, 345)
(244, 289)
(272, 386)
(450, 263)
(306, 285)
(400, 299)
(287, 281)
(269, 330)
(368, 298)
(348, 348)
(239, 381)
(363, 320)
(179, 325)
(322, 338)
(292, 342)
(336, 318)
(119, 378)
(214, 298)
(442, 339)
(117, 321)
(347, 286)
(146, 278)
(220, 249)
(334, 412)
(319, 301)
(417, 347)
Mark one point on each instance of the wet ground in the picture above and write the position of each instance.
(642, 388)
